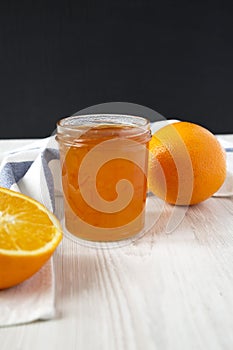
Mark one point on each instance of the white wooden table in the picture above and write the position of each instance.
(165, 291)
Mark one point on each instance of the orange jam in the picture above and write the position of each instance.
(104, 178)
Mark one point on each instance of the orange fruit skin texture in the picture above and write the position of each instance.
(185, 143)
(29, 235)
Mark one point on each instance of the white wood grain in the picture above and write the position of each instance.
(165, 291)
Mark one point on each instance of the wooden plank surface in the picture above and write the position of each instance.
(164, 291)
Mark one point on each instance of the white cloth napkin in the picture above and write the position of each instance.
(27, 170)
(227, 188)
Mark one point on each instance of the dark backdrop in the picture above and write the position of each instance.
(57, 57)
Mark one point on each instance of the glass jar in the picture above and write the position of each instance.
(104, 160)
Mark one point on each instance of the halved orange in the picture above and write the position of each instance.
(29, 234)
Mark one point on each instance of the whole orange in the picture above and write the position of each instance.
(187, 164)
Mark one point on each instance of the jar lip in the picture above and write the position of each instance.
(72, 122)
(88, 128)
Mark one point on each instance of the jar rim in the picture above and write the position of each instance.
(84, 128)
(73, 122)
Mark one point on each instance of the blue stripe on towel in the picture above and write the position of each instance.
(47, 155)
(12, 172)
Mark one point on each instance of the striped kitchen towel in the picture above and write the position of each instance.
(29, 170)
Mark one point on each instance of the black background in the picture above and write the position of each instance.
(58, 57)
